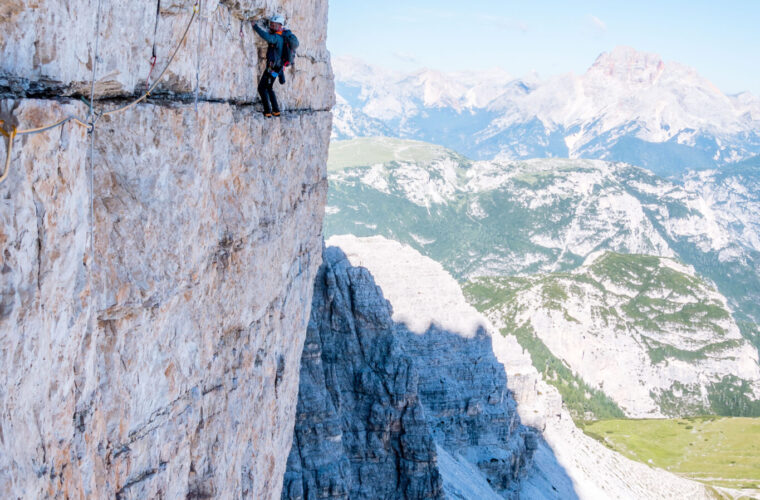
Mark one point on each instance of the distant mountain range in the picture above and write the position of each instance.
(669, 269)
(629, 106)
(644, 331)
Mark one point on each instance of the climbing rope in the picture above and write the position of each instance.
(155, 33)
(161, 75)
(94, 62)
(89, 122)
(198, 60)
(10, 137)
(91, 132)
(39, 130)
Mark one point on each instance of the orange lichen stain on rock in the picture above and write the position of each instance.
(36, 117)
(169, 373)
(84, 297)
(9, 9)
(123, 294)
(61, 463)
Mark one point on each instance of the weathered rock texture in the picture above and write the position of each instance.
(164, 363)
(567, 464)
(384, 412)
(47, 48)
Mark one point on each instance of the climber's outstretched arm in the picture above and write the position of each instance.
(270, 38)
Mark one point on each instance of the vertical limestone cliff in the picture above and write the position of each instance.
(388, 410)
(150, 348)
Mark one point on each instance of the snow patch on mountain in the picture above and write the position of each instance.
(629, 106)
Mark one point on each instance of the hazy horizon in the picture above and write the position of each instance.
(550, 38)
(496, 69)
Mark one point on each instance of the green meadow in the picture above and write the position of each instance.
(368, 151)
(714, 450)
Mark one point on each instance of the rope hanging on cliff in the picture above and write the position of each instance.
(198, 60)
(153, 52)
(94, 64)
(161, 75)
(88, 123)
(10, 135)
(91, 132)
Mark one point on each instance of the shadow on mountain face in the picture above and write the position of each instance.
(387, 413)
(666, 159)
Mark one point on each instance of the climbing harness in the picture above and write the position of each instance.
(155, 34)
(95, 115)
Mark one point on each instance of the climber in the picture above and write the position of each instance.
(274, 37)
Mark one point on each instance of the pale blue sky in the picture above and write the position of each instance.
(720, 38)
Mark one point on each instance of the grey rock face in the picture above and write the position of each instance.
(46, 48)
(151, 348)
(376, 400)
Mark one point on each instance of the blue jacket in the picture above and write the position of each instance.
(274, 52)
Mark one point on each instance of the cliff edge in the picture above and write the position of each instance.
(155, 275)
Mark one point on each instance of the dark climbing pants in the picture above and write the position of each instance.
(268, 99)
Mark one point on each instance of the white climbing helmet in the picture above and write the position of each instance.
(277, 18)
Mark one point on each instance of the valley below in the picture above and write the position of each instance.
(712, 450)
(633, 297)
(438, 286)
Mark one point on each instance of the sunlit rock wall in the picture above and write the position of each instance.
(163, 361)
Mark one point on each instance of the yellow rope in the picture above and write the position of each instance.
(39, 130)
(90, 126)
(158, 80)
(10, 137)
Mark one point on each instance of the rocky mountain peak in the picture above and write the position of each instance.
(393, 408)
(627, 65)
(629, 106)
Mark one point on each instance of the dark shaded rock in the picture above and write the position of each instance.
(375, 401)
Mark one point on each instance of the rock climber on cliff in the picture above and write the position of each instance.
(273, 34)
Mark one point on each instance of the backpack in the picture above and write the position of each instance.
(289, 48)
